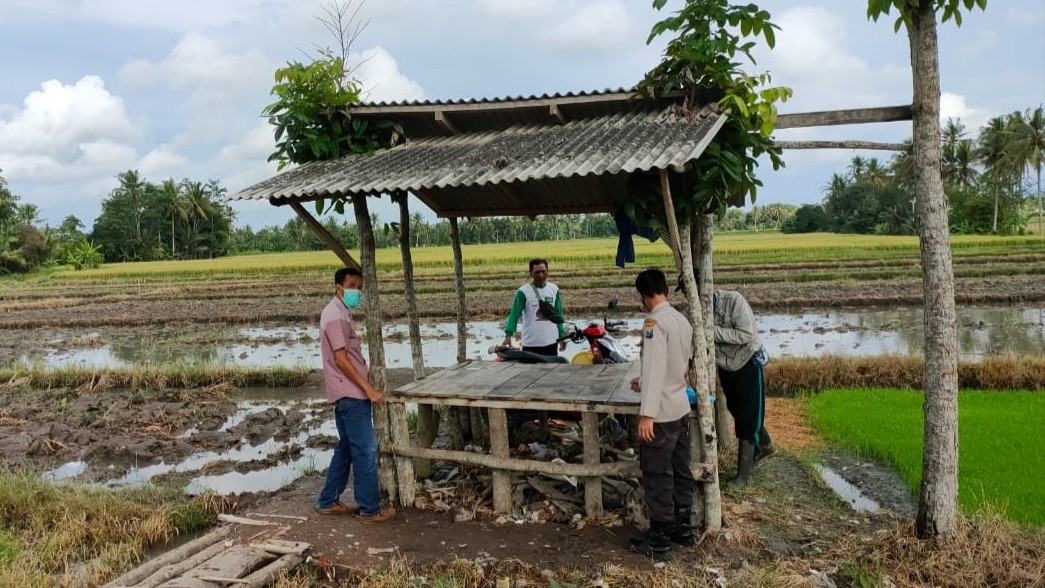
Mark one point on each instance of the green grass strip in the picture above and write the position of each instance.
(1001, 464)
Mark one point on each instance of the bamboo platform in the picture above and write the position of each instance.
(216, 561)
(498, 386)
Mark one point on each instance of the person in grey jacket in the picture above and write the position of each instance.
(740, 357)
(667, 481)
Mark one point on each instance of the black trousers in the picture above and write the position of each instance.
(666, 478)
(746, 399)
(551, 350)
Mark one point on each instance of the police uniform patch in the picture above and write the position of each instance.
(647, 328)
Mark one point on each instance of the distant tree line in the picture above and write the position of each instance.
(988, 181)
(140, 221)
(296, 236)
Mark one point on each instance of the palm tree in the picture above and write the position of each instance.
(836, 186)
(875, 173)
(996, 155)
(177, 206)
(959, 164)
(197, 203)
(857, 167)
(28, 214)
(1028, 147)
(133, 187)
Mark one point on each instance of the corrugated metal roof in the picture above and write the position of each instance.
(497, 99)
(579, 166)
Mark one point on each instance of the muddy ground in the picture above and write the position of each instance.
(249, 306)
(787, 510)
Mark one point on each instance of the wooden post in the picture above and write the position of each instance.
(462, 310)
(427, 417)
(416, 351)
(324, 235)
(592, 486)
(669, 213)
(502, 481)
(375, 343)
(459, 415)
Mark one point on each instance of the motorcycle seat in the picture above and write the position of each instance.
(529, 357)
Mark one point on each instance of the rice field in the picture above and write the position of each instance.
(1000, 457)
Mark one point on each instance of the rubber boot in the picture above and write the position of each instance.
(745, 461)
(765, 446)
(682, 532)
(656, 543)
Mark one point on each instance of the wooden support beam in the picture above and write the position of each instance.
(404, 465)
(462, 310)
(386, 468)
(502, 481)
(669, 218)
(592, 456)
(628, 469)
(511, 195)
(555, 112)
(445, 123)
(325, 236)
(528, 212)
(844, 117)
(843, 145)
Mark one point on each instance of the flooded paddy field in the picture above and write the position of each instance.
(854, 332)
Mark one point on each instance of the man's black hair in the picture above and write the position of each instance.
(538, 261)
(341, 274)
(651, 282)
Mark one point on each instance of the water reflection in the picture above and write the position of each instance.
(266, 479)
(981, 331)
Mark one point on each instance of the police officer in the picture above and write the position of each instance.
(667, 481)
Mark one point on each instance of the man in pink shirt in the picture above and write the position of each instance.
(345, 373)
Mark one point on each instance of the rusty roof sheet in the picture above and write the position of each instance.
(580, 166)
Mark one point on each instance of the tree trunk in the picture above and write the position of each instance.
(427, 417)
(706, 439)
(702, 246)
(459, 417)
(938, 507)
(994, 224)
(1040, 232)
(374, 341)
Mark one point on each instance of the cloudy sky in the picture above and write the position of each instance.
(174, 89)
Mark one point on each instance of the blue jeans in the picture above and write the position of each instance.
(356, 445)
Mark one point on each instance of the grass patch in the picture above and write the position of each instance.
(75, 535)
(1000, 459)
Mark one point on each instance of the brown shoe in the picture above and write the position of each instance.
(385, 514)
(339, 508)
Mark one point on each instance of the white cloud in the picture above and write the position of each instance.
(381, 79)
(196, 61)
(812, 56)
(593, 27)
(183, 15)
(160, 160)
(67, 131)
(954, 106)
(255, 145)
(517, 9)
